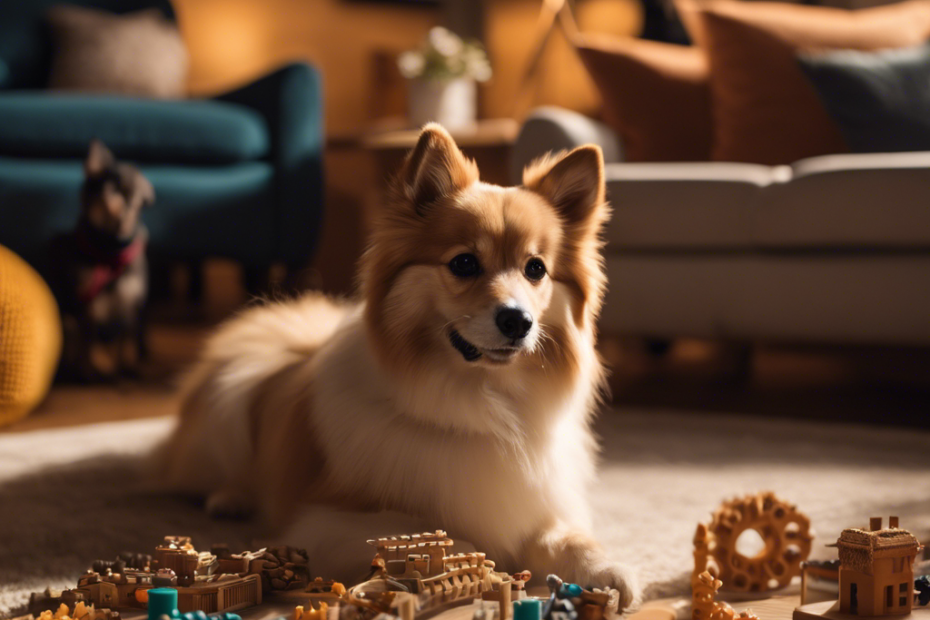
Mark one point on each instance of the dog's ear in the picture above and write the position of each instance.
(145, 189)
(572, 182)
(435, 168)
(99, 159)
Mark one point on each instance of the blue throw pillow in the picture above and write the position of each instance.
(880, 100)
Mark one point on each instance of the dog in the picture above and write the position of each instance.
(100, 270)
(457, 394)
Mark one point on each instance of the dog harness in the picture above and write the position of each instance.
(108, 266)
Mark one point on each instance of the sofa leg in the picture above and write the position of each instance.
(738, 360)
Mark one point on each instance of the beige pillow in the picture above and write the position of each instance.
(139, 54)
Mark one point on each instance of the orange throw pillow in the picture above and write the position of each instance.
(656, 96)
(765, 110)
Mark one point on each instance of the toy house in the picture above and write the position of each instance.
(876, 569)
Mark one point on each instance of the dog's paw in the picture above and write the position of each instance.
(227, 504)
(618, 577)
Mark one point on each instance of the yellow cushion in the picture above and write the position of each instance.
(30, 337)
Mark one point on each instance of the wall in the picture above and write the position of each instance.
(233, 41)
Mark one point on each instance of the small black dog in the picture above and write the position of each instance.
(100, 273)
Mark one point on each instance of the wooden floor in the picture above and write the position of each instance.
(871, 385)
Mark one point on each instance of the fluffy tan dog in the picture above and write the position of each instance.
(458, 394)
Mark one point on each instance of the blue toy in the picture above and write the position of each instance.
(922, 587)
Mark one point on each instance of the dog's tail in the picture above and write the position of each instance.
(212, 445)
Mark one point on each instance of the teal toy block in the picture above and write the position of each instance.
(163, 602)
(527, 609)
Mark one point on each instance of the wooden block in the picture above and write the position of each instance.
(830, 610)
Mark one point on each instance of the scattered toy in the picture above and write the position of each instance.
(328, 593)
(705, 607)
(527, 609)
(876, 575)
(876, 569)
(420, 564)
(922, 591)
(785, 531)
(518, 588)
(569, 601)
(78, 611)
(311, 614)
(819, 575)
(279, 568)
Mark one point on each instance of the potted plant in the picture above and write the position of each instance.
(441, 76)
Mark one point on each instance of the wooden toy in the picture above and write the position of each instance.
(518, 589)
(570, 601)
(197, 578)
(126, 589)
(123, 561)
(423, 553)
(47, 599)
(705, 607)
(79, 611)
(785, 531)
(421, 565)
(877, 569)
(279, 568)
(824, 576)
(876, 575)
(321, 592)
(360, 604)
(311, 614)
(219, 593)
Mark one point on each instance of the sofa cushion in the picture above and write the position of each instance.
(881, 100)
(857, 201)
(765, 110)
(37, 124)
(656, 95)
(702, 206)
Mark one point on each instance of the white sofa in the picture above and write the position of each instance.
(832, 249)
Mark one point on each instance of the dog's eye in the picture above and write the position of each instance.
(535, 269)
(464, 265)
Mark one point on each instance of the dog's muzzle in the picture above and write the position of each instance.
(469, 351)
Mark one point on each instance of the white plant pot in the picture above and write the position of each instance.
(451, 103)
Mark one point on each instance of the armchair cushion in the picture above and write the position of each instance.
(39, 124)
(139, 53)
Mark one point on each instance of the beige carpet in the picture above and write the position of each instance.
(69, 496)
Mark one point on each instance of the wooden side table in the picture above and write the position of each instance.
(488, 142)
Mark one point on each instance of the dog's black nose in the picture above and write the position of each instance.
(515, 323)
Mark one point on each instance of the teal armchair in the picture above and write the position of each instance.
(237, 176)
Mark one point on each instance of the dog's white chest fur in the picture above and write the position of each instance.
(390, 459)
